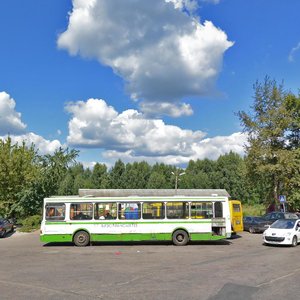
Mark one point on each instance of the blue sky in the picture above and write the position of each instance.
(140, 80)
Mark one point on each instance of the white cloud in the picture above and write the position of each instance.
(12, 125)
(88, 164)
(95, 124)
(210, 148)
(42, 145)
(189, 5)
(166, 108)
(293, 51)
(132, 136)
(10, 120)
(162, 53)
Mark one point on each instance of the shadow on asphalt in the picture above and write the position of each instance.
(144, 243)
(234, 237)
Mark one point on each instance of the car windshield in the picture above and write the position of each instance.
(283, 224)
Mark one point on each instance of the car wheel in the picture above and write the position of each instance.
(294, 241)
(81, 238)
(251, 230)
(180, 238)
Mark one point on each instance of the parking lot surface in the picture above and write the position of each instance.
(239, 268)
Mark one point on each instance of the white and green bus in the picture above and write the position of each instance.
(179, 216)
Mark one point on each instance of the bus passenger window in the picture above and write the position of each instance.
(130, 211)
(105, 211)
(55, 211)
(177, 210)
(81, 211)
(201, 210)
(153, 210)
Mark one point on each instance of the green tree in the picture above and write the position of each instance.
(136, 175)
(53, 169)
(99, 176)
(18, 170)
(272, 150)
(156, 181)
(116, 175)
(230, 175)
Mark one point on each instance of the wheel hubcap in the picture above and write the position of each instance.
(180, 238)
(81, 239)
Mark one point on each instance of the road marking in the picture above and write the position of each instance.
(51, 290)
(278, 278)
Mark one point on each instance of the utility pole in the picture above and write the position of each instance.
(176, 174)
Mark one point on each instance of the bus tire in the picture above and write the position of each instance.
(180, 238)
(81, 238)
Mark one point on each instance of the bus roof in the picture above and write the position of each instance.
(153, 193)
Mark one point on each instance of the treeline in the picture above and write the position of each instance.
(228, 172)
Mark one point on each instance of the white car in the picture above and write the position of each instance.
(283, 232)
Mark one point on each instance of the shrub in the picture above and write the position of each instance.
(254, 210)
(31, 223)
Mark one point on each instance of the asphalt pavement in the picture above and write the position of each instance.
(240, 268)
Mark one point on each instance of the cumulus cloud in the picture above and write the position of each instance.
(189, 5)
(12, 125)
(95, 124)
(166, 108)
(132, 136)
(162, 53)
(10, 120)
(210, 148)
(42, 145)
(293, 51)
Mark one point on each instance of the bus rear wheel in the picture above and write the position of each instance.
(180, 238)
(81, 238)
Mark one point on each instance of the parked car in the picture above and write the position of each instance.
(283, 232)
(5, 227)
(253, 224)
(262, 223)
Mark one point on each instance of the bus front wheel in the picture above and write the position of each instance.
(81, 238)
(180, 238)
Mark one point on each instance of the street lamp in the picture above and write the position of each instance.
(177, 177)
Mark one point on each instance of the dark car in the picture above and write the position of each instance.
(5, 227)
(262, 223)
(253, 224)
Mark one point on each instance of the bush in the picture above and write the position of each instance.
(31, 223)
(254, 210)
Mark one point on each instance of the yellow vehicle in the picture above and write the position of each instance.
(236, 215)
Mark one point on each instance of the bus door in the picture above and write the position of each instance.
(218, 221)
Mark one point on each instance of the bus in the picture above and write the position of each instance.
(178, 216)
(236, 215)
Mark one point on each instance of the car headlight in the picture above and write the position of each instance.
(287, 234)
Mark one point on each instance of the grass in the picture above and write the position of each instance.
(254, 210)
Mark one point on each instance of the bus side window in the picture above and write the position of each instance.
(218, 210)
(55, 211)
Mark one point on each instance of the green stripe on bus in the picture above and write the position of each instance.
(48, 238)
(127, 237)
